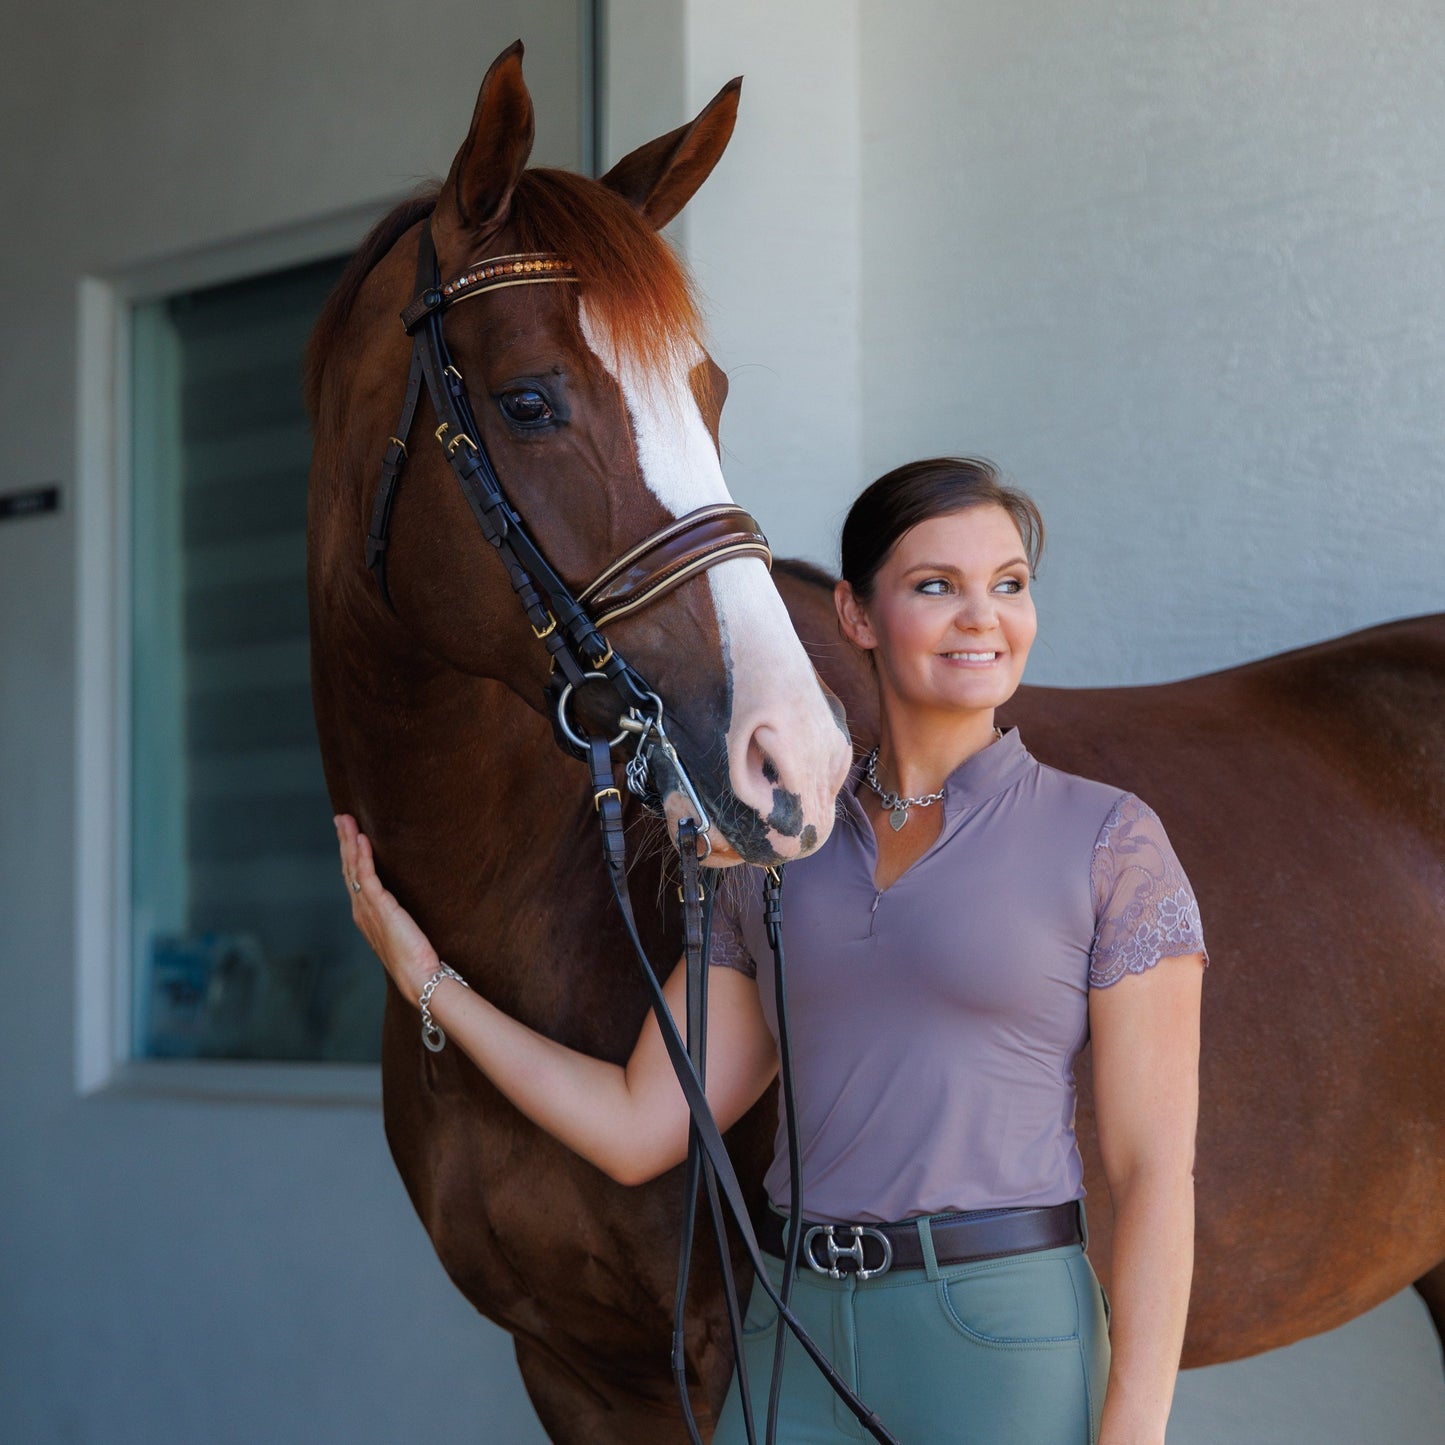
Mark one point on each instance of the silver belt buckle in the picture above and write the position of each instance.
(854, 1250)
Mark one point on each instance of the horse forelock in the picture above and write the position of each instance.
(629, 277)
(632, 279)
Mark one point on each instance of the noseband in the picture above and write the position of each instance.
(568, 625)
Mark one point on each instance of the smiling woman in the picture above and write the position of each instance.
(986, 906)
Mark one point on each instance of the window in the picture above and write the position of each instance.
(241, 944)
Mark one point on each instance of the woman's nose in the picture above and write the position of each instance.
(976, 611)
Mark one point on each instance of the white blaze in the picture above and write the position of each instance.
(775, 694)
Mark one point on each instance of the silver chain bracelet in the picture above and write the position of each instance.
(431, 1031)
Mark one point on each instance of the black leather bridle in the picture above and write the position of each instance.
(570, 628)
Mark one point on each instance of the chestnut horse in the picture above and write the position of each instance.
(1305, 795)
(599, 409)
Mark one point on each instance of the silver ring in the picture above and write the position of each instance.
(355, 886)
(567, 728)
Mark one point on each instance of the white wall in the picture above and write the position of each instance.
(1178, 269)
(774, 242)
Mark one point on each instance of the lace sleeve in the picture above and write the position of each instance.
(1144, 906)
(726, 948)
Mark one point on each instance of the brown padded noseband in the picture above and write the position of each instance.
(665, 560)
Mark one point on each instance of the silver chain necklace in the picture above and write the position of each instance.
(898, 807)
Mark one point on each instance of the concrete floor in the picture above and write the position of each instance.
(1375, 1381)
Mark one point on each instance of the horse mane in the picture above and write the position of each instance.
(379, 240)
(632, 279)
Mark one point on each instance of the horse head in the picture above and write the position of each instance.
(598, 407)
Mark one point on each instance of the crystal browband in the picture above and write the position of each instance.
(522, 269)
(508, 271)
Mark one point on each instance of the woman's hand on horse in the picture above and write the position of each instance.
(389, 928)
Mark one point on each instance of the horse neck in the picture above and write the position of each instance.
(486, 832)
(412, 732)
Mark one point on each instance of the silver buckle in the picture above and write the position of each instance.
(853, 1251)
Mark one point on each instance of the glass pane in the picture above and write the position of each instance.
(242, 943)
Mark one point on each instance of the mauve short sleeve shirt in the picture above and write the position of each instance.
(935, 1023)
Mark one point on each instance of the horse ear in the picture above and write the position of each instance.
(477, 193)
(661, 177)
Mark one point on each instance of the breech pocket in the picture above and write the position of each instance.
(1022, 1302)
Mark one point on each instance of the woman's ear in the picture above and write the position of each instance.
(853, 618)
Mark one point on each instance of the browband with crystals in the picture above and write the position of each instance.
(526, 268)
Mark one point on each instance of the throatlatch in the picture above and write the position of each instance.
(570, 628)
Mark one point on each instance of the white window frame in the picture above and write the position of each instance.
(104, 506)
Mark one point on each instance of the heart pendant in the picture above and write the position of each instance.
(897, 818)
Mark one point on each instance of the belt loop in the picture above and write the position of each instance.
(1083, 1225)
(925, 1240)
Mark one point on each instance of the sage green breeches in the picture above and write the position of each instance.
(1011, 1351)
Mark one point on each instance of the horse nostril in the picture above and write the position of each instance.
(770, 771)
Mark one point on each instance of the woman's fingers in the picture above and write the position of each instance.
(359, 871)
(346, 835)
(390, 930)
(364, 870)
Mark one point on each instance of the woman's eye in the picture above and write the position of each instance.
(1014, 584)
(934, 587)
(525, 407)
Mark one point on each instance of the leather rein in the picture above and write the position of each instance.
(570, 627)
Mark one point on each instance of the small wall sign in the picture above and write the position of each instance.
(28, 503)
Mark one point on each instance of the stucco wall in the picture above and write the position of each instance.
(1178, 269)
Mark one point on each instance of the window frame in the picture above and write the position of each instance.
(105, 499)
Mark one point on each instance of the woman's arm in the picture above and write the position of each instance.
(1145, 1042)
(630, 1121)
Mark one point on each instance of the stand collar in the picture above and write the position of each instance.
(975, 780)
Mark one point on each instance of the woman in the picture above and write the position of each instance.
(973, 919)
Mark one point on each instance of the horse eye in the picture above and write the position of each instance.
(527, 407)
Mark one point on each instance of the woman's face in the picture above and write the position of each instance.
(951, 619)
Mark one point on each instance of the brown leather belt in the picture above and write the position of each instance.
(872, 1249)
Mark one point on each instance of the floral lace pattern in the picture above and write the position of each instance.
(1145, 908)
(726, 948)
